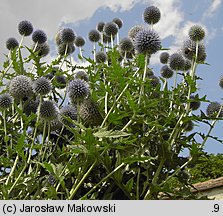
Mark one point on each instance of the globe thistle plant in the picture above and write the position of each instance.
(48, 110)
(213, 109)
(151, 15)
(39, 36)
(12, 43)
(31, 106)
(42, 49)
(154, 81)
(94, 35)
(195, 103)
(164, 57)
(60, 81)
(69, 112)
(147, 42)
(126, 45)
(187, 65)
(65, 49)
(189, 50)
(221, 82)
(111, 29)
(25, 28)
(188, 126)
(78, 90)
(5, 101)
(42, 86)
(67, 35)
(100, 57)
(166, 72)
(79, 41)
(118, 21)
(89, 113)
(100, 26)
(81, 75)
(196, 33)
(20, 87)
(134, 30)
(176, 61)
(58, 38)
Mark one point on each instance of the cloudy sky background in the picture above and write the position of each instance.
(82, 16)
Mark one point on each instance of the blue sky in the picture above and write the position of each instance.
(82, 16)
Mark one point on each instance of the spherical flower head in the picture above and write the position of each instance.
(48, 110)
(134, 30)
(58, 38)
(196, 33)
(66, 49)
(188, 126)
(189, 50)
(128, 55)
(213, 109)
(187, 65)
(107, 39)
(147, 42)
(25, 28)
(42, 86)
(68, 112)
(67, 35)
(12, 43)
(89, 113)
(151, 15)
(110, 28)
(154, 81)
(60, 81)
(166, 72)
(31, 107)
(176, 61)
(149, 73)
(94, 36)
(49, 76)
(79, 41)
(42, 49)
(56, 124)
(100, 26)
(221, 82)
(118, 21)
(39, 36)
(81, 75)
(78, 90)
(195, 103)
(5, 101)
(101, 57)
(164, 57)
(126, 45)
(51, 180)
(20, 87)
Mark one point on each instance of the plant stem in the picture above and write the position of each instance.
(75, 189)
(105, 178)
(143, 79)
(113, 106)
(13, 169)
(155, 178)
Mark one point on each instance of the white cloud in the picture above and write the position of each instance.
(215, 4)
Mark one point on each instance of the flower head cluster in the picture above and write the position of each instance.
(78, 90)
(147, 41)
(5, 101)
(151, 15)
(20, 87)
(25, 28)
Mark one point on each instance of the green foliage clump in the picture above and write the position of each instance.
(99, 129)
